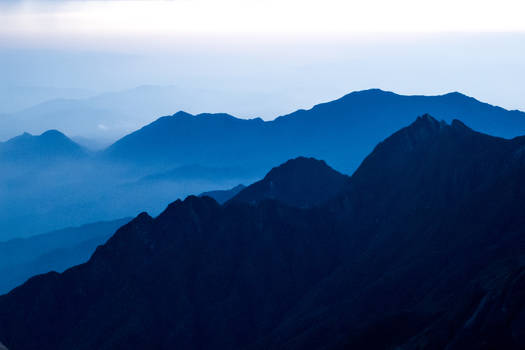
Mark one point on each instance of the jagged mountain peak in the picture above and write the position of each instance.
(190, 203)
(424, 130)
(458, 124)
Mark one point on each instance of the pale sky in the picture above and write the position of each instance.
(306, 51)
(45, 19)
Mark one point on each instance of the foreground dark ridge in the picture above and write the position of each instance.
(424, 248)
(58, 250)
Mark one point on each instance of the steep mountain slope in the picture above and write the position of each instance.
(342, 132)
(21, 259)
(222, 196)
(213, 279)
(50, 146)
(300, 182)
(423, 248)
(439, 248)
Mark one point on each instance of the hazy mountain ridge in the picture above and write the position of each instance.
(375, 267)
(222, 196)
(184, 138)
(111, 115)
(341, 132)
(50, 146)
(17, 98)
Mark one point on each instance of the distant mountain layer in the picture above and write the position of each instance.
(300, 182)
(288, 184)
(222, 196)
(15, 98)
(187, 154)
(21, 259)
(51, 146)
(424, 247)
(342, 132)
(108, 116)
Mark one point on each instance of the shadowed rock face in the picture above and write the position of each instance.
(424, 247)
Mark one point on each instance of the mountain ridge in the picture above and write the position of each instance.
(342, 131)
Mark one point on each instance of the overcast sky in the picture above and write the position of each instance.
(308, 51)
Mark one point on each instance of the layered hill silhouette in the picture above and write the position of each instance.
(300, 182)
(342, 132)
(51, 146)
(89, 117)
(183, 154)
(422, 248)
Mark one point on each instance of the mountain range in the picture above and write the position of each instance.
(96, 120)
(184, 154)
(422, 247)
(342, 132)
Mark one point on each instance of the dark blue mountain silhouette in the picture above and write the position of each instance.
(342, 132)
(50, 146)
(424, 247)
(300, 182)
(204, 148)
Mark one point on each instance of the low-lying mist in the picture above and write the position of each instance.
(36, 199)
